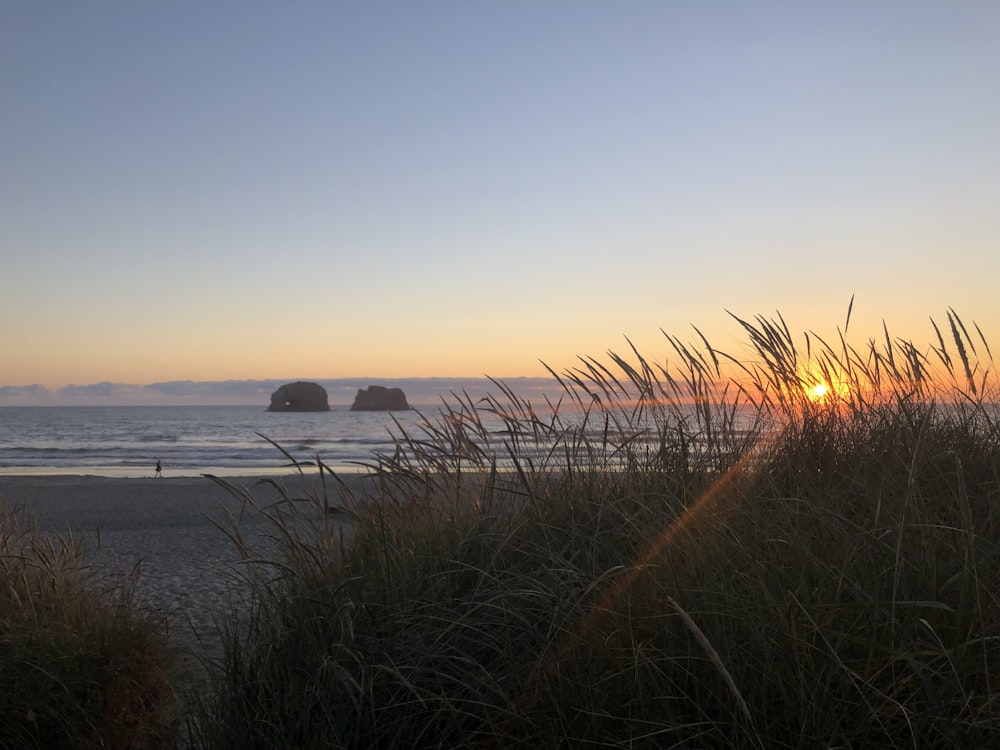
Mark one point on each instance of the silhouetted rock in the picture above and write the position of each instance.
(378, 398)
(299, 396)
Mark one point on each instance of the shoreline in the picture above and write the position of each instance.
(285, 471)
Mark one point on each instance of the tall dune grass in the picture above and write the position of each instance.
(81, 665)
(700, 552)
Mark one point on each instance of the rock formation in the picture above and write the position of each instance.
(378, 398)
(299, 396)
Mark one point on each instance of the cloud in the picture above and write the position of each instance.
(341, 391)
(253, 391)
(16, 395)
(103, 391)
(427, 391)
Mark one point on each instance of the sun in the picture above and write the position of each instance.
(824, 387)
(818, 391)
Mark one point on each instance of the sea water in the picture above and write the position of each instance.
(127, 441)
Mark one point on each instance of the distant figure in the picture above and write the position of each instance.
(159, 470)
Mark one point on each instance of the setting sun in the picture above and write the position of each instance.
(819, 390)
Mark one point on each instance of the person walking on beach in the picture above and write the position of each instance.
(159, 470)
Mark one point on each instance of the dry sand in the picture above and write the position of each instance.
(166, 526)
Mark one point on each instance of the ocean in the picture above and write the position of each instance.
(127, 441)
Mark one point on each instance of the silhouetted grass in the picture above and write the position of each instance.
(80, 665)
(698, 552)
(695, 553)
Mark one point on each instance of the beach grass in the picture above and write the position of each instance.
(81, 664)
(791, 548)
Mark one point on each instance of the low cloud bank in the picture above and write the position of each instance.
(341, 391)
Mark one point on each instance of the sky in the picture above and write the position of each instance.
(235, 191)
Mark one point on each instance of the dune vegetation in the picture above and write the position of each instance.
(793, 548)
(800, 555)
(82, 665)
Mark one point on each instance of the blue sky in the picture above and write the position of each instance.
(230, 191)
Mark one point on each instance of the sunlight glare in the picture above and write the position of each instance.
(819, 391)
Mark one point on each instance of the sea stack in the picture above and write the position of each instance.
(299, 396)
(379, 398)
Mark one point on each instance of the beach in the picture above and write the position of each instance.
(168, 527)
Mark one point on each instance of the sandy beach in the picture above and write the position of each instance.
(165, 525)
